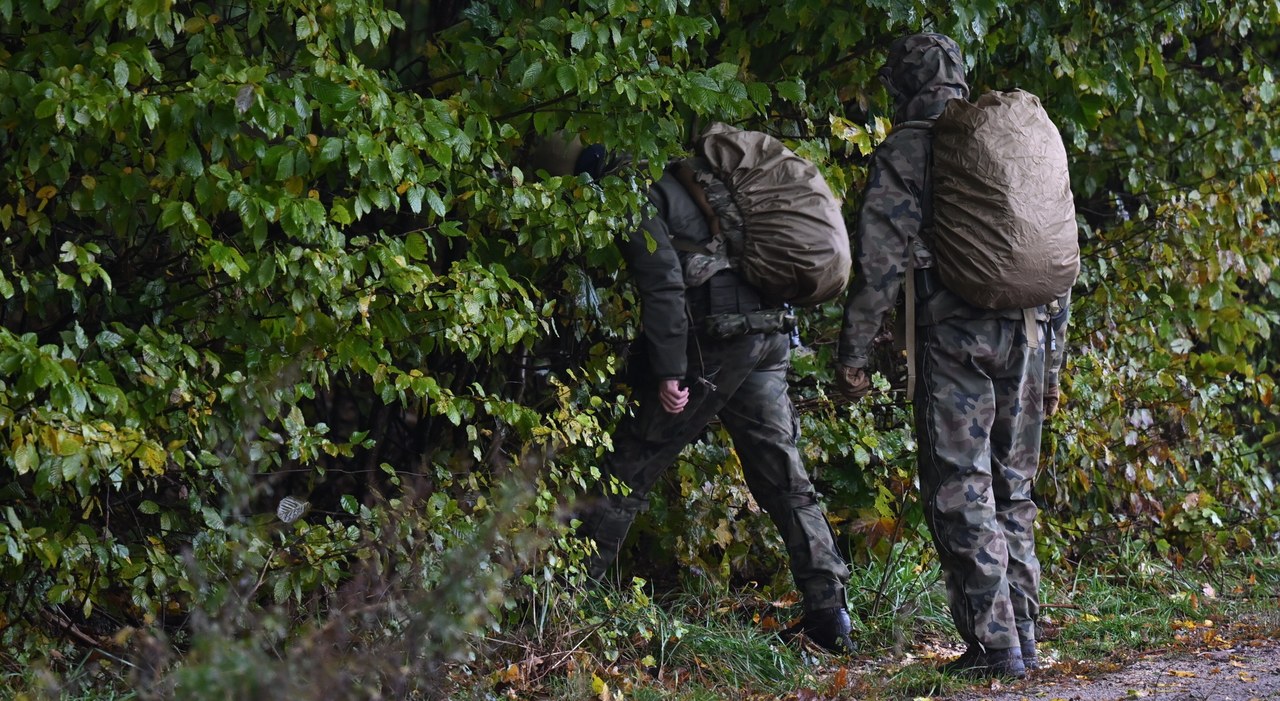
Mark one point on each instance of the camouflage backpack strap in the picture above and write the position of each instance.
(729, 221)
(710, 194)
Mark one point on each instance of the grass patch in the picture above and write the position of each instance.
(707, 642)
(1133, 603)
(900, 601)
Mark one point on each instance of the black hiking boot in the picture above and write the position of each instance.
(1030, 659)
(977, 663)
(828, 629)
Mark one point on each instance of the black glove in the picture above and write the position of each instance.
(852, 383)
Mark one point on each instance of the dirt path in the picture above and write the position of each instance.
(1250, 671)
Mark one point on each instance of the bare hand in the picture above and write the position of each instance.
(673, 396)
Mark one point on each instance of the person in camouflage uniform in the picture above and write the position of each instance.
(713, 350)
(982, 391)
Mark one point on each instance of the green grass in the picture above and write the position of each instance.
(1131, 602)
(706, 641)
(897, 601)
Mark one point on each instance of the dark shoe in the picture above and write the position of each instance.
(1030, 659)
(977, 663)
(828, 629)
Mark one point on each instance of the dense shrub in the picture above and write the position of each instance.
(280, 248)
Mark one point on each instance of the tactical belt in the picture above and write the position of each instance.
(733, 325)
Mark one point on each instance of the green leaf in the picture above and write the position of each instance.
(340, 215)
(566, 78)
(414, 194)
(120, 72)
(531, 75)
(244, 98)
(416, 246)
(790, 90)
(46, 108)
(435, 202)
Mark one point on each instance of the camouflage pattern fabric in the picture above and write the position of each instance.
(885, 240)
(978, 402)
(978, 413)
(922, 73)
(743, 381)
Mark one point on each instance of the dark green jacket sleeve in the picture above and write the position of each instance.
(655, 269)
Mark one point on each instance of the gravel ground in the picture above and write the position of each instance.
(1250, 671)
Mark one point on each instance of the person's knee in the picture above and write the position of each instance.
(777, 502)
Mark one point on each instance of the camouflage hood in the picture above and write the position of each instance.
(922, 73)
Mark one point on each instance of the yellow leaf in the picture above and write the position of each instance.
(47, 192)
(600, 688)
(1183, 673)
(511, 674)
(722, 534)
(152, 457)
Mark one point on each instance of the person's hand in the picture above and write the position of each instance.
(673, 396)
(852, 383)
(1052, 398)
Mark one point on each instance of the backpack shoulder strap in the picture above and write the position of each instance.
(926, 193)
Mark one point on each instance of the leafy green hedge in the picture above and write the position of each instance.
(276, 248)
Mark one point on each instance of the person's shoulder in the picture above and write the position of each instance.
(663, 187)
(670, 197)
(907, 136)
(905, 145)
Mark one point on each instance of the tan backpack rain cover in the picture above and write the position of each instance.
(1004, 231)
(795, 246)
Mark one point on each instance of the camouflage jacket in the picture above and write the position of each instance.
(922, 73)
(886, 239)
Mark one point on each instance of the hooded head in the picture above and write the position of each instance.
(922, 73)
(559, 155)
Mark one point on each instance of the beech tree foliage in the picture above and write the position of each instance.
(265, 248)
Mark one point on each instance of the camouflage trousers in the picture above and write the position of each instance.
(743, 381)
(978, 415)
